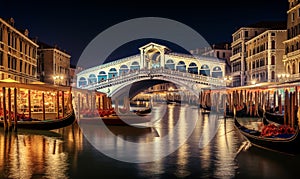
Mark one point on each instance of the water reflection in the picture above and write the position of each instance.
(66, 153)
(31, 155)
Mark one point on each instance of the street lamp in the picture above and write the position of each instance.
(228, 80)
(283, 77)
(57, 79)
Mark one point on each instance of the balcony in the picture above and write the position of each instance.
(236, 56)
(292, 54)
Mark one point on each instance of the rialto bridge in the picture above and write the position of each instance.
(154, 63)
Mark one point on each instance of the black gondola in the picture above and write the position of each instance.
(45, 124)
(289, 144)
(271, 116)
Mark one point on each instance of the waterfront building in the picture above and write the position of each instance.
(53, 65)
(18, 53)
(238, 46)
(291, 59)
(264, 54)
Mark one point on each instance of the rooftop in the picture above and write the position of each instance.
(269, 24)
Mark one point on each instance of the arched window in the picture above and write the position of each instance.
(273, 60)
(217, 72)
(294, 69)
(273, 44)
(170, 64)
(92, 79)
(112, 73)
(193, 68)
(205, 71)
(181, 66)
(135, 66)
(102, 76)
(123, 69)
(82, 82)
(273, 75)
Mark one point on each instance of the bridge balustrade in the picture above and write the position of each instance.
(154, 73)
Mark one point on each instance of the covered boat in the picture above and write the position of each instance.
(35, 106)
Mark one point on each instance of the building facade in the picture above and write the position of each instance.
(220, 51)
(54, 65)
(291, 59)
(264, 55)
(18, 53)
(238, 58)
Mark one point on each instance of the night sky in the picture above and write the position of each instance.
(72, 25)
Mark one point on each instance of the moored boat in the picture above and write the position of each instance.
(284, 142)
(271, 116)
(35, 106)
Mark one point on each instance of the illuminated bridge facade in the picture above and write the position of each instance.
(155, 62)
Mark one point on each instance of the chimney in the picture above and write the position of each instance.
(11, 21)
(26, 32)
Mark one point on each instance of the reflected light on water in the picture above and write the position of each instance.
(32, 156)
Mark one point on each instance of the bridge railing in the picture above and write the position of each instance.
(150, 73)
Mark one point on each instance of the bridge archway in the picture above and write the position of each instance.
(205, 71)
(193, 68)
(181, 66)
(132, 88)
(153, 58)
(123, 69)
(112, 73)
(217, 72)
(170, 64)
(134, 66)
(102, 76)
(82, 82)
(92, 79)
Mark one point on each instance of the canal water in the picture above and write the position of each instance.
(198, 146)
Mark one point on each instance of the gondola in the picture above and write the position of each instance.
(50, 124)
(271, 116)
(242, 112)
(287, 143)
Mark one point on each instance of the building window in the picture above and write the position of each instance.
(21, 65)
(33, 70)
(224, 55)
(1, 58)
(273, 44)
(246, 34)
(257, 63)
(273, 34)
(1, 34)
(293, 17)
(21, 44)
(8, 61)
(273, 60)
(273, 75)
(218, 54)
(29, 69)
(25, 68)
(8, 38)
(14, 63)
